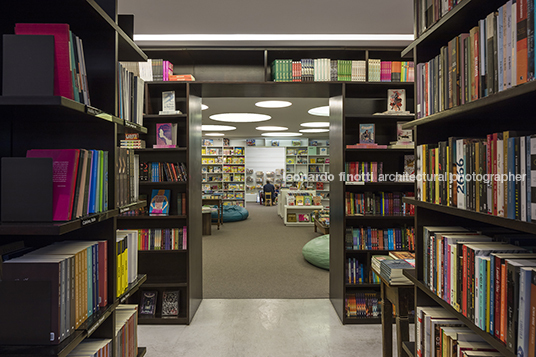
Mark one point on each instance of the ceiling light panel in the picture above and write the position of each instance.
(316, 124)
(320, 111)
(273, 104)
(217, 127)
(272, 128)
(240, 117)
(214, 134)
(276, 134)
(314, 130)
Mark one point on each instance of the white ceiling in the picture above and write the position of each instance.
(290, 117)
(272, 17)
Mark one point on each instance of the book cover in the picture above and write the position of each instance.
(165, 136)
(170, 304)
(168, 101)
(148, 303)
(291, 217)
(366, 133)
(403, 135)
(409, 164)
(275, 142)
(396, 100)
(159, 205)
(65, 170)
(250, 142)
(299, 200)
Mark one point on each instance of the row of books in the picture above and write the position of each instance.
(393, 277)
(325, 70)
(361, 171)
(429, 12)
(378, 204)
(132, 141)
(161, 238)
(127, 259)
(163, 172)
(211, 169)
(367, 238)
(234, 169)
(131, 93)
(169, 304)
(77, 271)
(363, 304)
(93, 347)
(80, 184)
(439, 333)
(357, 273)
(490, 175)
(128, 176)
(302, 199)
(495, 55)
(486, 275)
(70, 74)
(126, 330)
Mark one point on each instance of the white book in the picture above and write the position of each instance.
(460, 163)
(523, 172)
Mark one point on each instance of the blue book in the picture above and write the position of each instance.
(525, 277)
(511, 184)
(160, 201)
(93, 183)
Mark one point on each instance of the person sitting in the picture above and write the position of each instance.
(268, 188)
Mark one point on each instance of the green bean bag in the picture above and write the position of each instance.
(316, 251)
(232, 214)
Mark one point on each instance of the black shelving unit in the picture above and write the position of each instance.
(354, 104)
(172, 269)
(506, 110)
(53, 122)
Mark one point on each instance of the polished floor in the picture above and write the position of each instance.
(262, 327)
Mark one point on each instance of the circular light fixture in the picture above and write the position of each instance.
(214, 134)
(273, 104)
(217, 127)
(272, 128)
(314, 130)
(240, 117)
(204, 107)
(282, 134)
(320, 111)
(316, 124)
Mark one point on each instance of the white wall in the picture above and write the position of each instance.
(262, 158)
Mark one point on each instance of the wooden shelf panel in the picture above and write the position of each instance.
(164, 285)
(151, 150)
(61, 350)
(517, 225)
(132, 288)
(152, 218)
(495, 343)
(388, 150)
(54, 228)
(364, 218)
(135, 127)
(162, 321)
(378, 184)
(482, 109)
(157, 117)
(362, 285)
(409, 347)
(132, 206)
(363, 320)
(142, 351)
(376, 250)
(165, 183)
(380, 117)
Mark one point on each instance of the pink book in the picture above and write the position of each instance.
(65, 162)
(184, 238)
(62, 66)
(103, 273)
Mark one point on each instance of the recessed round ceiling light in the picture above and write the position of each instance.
(314, 130)
(214, 134)
(204, 107)
(273, 104)
(240, 117)
(217, 127)
(282, 134)
(316, 124)
(272, 128)
(320, 111)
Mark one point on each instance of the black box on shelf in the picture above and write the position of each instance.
(26, 189)
(28, 65)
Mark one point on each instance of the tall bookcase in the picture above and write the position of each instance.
(175, 269)
(506, 110)
(53, 122)
(355, 104)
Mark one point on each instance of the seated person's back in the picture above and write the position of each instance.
(269, 188)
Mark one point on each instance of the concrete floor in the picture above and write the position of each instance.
(263, 327)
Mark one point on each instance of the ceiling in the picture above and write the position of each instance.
(290, 117)
(271, 17)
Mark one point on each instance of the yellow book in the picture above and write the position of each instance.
(299, 200)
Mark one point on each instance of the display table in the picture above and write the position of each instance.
(218, 202)
(297, 211)
(401, 296)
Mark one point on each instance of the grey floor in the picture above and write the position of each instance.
(262, 327)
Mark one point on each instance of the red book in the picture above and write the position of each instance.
(63, 85)
(65, 169)
(522, 50)
(183, 203)
(502, 327)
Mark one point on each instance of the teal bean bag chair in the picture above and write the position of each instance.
(316, 251)
(232, 214)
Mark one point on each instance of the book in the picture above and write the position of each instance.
(291, 217)
(403, 135)
(396, 100)
(160, 201)
(65, 171)
(166, 135)
(170, 304)
(366, 133)
(148, 303)
(409, 164)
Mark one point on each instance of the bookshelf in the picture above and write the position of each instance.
(224, 171)
(495, 113)
(176, 269)
(356, 104)
(309, 162)
(54, 122)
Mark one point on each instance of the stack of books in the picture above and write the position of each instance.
(391, 270)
